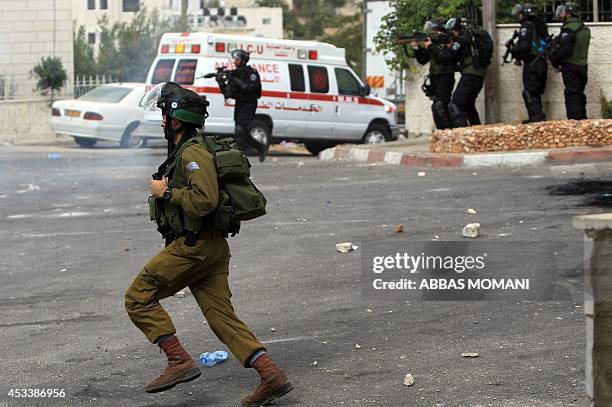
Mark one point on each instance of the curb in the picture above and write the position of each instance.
(509, 159)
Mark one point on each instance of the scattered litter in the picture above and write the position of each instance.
(471, 211)
(180, 294)
(521, 221)
(471, 230)
(345, 247)
(212, 358)
(421, 173)
(357, 346)
(408, 380)
(126, 249)
(368, 310)
(399, 228)
(436, 237)
(403, 357)
(272, 329)
(503, 234)
(301, 220)
(470, 354)
(314, 363)
(62, 270)
(29, 187)
(54, 156)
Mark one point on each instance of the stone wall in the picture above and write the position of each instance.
(25, 121)
(510, 86)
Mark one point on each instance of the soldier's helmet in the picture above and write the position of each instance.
(242, 54)
(177, 102)
(434, 25)
(454, 24)
(569, 7)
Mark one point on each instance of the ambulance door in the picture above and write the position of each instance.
(295, 106)
(322, 104)
(353, 114)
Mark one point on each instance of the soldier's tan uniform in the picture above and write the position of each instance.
(202, 267)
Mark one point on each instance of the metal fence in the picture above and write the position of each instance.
(22, 87)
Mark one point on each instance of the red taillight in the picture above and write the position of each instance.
(220, 47)
(55, 112)
(312, 54)
(164, 49)
(195, 49)
(92, 116)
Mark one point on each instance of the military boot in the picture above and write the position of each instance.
(181, 368)
(273, 384)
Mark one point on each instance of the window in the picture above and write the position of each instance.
(131, 5)
(185, 71)
(163, 71)
(296, 76)
(91, 38)
(103, 4)
(266, 21)
(319, 81)
(347, 84)
(91, 4)
(106, 94)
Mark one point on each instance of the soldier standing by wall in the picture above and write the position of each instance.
(570, 52)
(438, 52)
(475, 49)
(532, 41)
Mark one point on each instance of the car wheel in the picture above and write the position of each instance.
(261, 132)
(129, 140)
(85, 142)
(315, 147)
(377, 134)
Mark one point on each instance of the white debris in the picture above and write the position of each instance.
(314, 363)
(471, 211)
(272, 329)
(357, 346)
(345, 247)
(471, 230)
(180, 294)
(421, 173)
(470, 354)
(408, 380)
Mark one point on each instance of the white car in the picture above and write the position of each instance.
(109, 112)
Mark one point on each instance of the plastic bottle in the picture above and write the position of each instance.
(212, 358)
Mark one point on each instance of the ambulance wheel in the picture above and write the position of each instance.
(85, 142)
(315, 147)
(261, 132)
(377, 134)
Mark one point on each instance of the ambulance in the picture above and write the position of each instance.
(309, 93)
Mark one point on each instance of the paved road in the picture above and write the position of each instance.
(75, 231)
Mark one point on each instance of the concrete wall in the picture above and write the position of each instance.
(25, 121)
(30, 30)
(510, 86)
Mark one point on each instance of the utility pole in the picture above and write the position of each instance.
(364, 40)
(489, 21)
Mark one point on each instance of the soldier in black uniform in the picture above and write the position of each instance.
(438, 52)
(532, 41)
(570, 53)
(244, 86)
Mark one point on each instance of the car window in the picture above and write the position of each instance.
(347, 84)
(319, 81)
(163, 71)
(296, 76)
(106, 94)
(185, 71)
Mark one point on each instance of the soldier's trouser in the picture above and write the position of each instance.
(575, 78)
(204, 269)
(535, 75)
(442, 86)
(464, 100)
(244, 113)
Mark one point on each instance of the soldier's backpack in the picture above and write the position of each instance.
(483, 48)
(239, 198)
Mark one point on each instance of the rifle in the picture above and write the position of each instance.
(221, 74)
(507, 58)
(417, 36)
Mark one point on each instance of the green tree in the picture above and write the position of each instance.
(349, 37)
(84, 61)
(50, 75)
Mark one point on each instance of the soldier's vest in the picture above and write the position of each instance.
(239, 199)
(580, 52)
